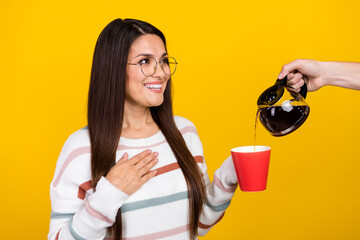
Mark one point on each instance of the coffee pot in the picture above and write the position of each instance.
(282, 109)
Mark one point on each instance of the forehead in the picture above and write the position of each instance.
(147, 44)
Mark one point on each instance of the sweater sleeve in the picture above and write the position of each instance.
(218, 192)
(75, 215)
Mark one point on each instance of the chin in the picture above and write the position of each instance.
(156, 103)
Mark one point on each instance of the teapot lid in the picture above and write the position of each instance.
(271, 95)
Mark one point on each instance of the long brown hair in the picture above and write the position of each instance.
(106, 112)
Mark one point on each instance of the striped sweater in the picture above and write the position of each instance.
(158, 210)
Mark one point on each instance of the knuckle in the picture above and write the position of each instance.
(149, 160)
(144, 179)
(126, 163)
(300, 63)
(145, 152)
(132, 171)
(298, 75)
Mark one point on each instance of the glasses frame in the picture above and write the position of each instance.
(161, 66)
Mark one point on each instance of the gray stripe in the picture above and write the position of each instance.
(85, 128)
(153, 202)
(73, 233)
(56, 215)
(218, 208)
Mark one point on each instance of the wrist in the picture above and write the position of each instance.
(330, 72)
(107, 199)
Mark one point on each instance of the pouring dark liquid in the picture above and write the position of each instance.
(280, 122)
(256, 122)
(281, 109)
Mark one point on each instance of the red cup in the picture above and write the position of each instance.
(251, 166)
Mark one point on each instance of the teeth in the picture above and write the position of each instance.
(153, 86)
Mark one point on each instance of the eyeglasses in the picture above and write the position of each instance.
(149, 65)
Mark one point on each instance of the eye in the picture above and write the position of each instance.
(165, 61)
(144, 61)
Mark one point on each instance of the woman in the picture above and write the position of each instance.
(144, 176)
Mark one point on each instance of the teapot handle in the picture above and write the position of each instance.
(303, 91)
(283, 82)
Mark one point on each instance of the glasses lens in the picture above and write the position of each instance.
(148, 66)
(169, 65)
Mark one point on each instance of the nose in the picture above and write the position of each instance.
(158, 72)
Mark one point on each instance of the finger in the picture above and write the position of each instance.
(123, 158)
(295, 78)
(298, 75)
(146, 160)
(148, 167)
(148, 176)
(298, 85)
(290, 76)
(134, 160)
(290, 67)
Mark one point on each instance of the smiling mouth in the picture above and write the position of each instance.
(153, 86)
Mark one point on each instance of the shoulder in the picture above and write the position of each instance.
(79, 135)
(190, 135)
(79, 138)
(185, 126)
(182, 123)
(74, 158)
(78, 142)
(192, 140)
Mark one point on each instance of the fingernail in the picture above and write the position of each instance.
(156, 160)
(280, 76)
(149, 151)
(156, 154)
(155, 172)
(124, 155)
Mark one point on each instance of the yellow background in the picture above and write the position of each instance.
(228, 53)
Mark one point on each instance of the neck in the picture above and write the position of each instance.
(136, 117)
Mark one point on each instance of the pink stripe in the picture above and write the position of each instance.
(74, 154)
(162, 234)
(96, 214)
(83, 150)
(188, 129)
(204, 226)
(124, 147)
(219, 184)
(183, 131)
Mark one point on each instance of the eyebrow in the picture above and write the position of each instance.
(150, 55)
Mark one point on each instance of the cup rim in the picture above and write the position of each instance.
(250, 149)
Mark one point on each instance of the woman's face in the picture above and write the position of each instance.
(142, 90)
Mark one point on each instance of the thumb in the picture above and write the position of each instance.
(290, 67)
(123, 158)
(227, 174)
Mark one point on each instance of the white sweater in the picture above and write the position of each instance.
(158, 210)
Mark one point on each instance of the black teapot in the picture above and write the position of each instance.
(281, 109)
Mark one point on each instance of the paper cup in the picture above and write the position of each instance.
(251, 166)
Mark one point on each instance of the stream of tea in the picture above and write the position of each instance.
(256, 121)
